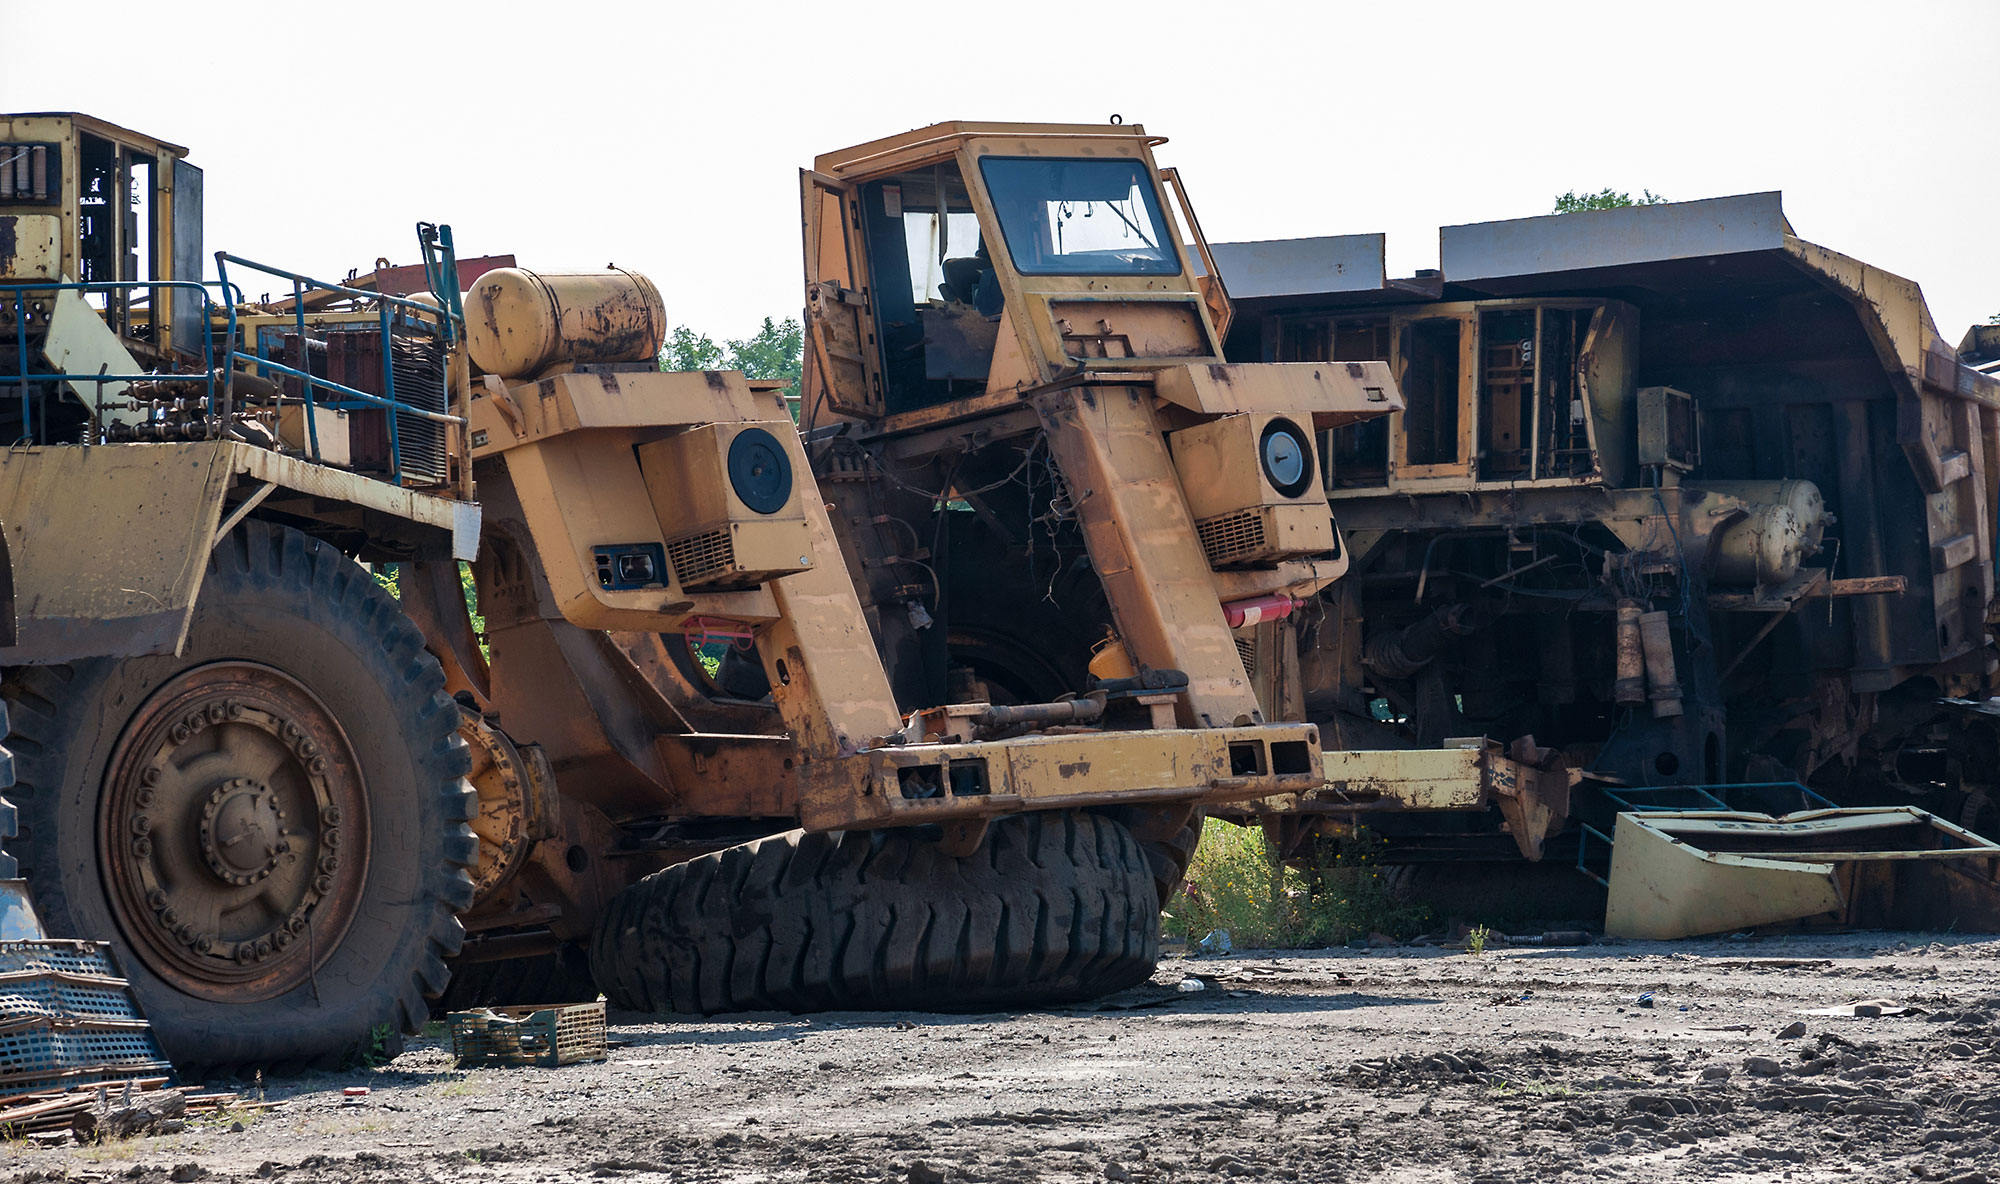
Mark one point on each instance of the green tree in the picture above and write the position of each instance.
(689, 350)
(1604, 199)
(775, 350)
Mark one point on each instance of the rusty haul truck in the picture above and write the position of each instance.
(1655, 506)
(299, 807)
(1694, 513)
(1041, 466)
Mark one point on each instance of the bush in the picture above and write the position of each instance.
(1233, 883)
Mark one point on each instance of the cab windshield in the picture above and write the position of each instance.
(1079, 217)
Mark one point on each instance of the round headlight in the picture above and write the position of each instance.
(1286, 455)
(759, 470)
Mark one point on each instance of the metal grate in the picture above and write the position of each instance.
(1246, 649)
(545, 1036)
(702, 558)
(1232, 538)
(67, 1018)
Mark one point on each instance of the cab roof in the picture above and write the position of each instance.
(100, 127)
(938, 136)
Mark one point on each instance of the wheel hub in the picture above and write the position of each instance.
(231, 800)
(243, 831)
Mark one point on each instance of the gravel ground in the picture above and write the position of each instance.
(1403, 1064)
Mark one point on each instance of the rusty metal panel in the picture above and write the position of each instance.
(108, 544)
(1050, 772)
(1416, 778)
(1609, 238)
(1143, 543)
(1681, 874)
(1332, 394)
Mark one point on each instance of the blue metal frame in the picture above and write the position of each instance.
(446, 319)
(22, 376)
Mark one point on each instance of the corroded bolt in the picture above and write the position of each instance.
(180, 734)
(150, 775)
(156, 899)
(141, 824)
(204, 944)
(145, 798)
(232, 708)
(322, 884)
(316, 765)
(308, 749)
(332, 815)
(264, 948)
(328, 862)
(142, 847)
(330, 836)
(169, 918)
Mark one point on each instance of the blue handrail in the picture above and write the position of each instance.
(20, 300)
(219, 364)
(448, 321)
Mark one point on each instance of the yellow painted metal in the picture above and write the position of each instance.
(32, 246)
(109, 544)
(1330, 394)
(144, 514)
(1112, 450)
(519, 323)
(1059, 772)
(64, 130)
(714, 540)
(819, 655)
(1414, 778)
(1685, 873)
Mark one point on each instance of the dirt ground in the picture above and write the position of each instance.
(1403, 1064)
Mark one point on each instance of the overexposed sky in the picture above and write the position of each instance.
(666, 137)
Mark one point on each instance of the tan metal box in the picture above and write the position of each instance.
(28, 247)
(335, 441)
(1252, 486)
(727, 497)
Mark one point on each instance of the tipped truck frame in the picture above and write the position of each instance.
(1679, 504)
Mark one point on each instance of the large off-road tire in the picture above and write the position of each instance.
(1052, 908)
(559, 977)
(270, 828)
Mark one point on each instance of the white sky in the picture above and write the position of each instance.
(666, 137)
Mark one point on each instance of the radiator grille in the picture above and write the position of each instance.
(703, 558)
(418, 363)
(1232, 538)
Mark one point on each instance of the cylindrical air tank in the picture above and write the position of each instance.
(519, 323)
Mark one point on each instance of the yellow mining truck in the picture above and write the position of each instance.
(297, 805)
(1041, 466)
(1635, 532)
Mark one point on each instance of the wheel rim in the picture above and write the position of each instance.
(235, 834)
(500, 778)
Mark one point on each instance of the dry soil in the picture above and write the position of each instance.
(1404, 1064)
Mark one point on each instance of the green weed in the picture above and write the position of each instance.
(1475, 941)
(1234, 883)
